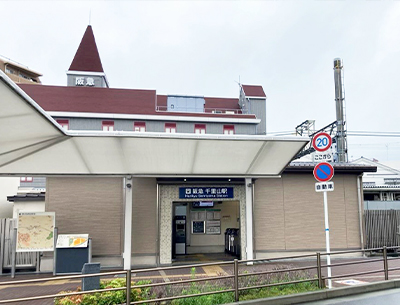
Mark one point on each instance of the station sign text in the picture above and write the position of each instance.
(205, 192)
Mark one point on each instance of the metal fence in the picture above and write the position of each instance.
(381, 227)
(235, 280)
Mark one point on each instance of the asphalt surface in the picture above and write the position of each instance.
(387, 297)
(53, 285)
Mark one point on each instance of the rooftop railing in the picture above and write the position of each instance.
(204, 110)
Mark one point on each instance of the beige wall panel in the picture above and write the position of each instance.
(337, 214)
(269, 218)
(88, 205)
(303, 213)
(144, 216)
(352, 212)
(289, 214)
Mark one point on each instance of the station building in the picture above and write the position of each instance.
(175, 214)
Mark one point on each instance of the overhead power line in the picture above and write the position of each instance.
(349, 133)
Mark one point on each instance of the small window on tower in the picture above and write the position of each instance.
(63, 123)
(200, 128)
(229, 129)
(170, 127)
(139, 126)
(108, 125)
(26, 179)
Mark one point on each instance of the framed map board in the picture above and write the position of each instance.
(35, 231)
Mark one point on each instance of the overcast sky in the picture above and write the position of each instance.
(205, 47)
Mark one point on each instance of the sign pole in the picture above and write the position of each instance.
(328, 248)
(323, 172)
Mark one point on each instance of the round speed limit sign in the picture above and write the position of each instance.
(322, 141)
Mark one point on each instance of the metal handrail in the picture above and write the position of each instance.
(185, 281)
(68, 277)
(353, 263)
(276, 258)
(278, 284)
(235, 276)
(277, 271)
(182, 267)
(353, 274)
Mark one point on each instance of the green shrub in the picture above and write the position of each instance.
(107, 297)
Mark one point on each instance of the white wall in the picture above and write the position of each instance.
(8, 187)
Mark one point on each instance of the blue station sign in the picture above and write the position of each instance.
(205, 192)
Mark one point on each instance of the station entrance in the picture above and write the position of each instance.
(196, 229)
(206, 231)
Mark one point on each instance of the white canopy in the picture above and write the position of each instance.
(32, 143)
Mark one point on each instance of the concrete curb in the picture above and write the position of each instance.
(324, 294)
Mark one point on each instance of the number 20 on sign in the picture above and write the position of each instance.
(322, 141)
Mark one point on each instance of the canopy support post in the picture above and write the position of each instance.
(249, 219)
(128, 224)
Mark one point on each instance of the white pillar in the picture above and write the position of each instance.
(128, 224)
(249, 218)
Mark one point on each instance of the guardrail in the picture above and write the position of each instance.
(234, 275)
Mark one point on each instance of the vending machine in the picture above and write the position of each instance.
(180, 234)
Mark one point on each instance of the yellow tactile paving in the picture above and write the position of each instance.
(214, 270)
(211, 270)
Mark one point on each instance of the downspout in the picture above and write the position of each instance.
(254, 224)
(360, 209)
(158, 226)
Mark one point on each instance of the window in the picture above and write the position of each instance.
(170, 127)
(108, 125)
(26, 179)
(139, 126)
(64, 124)
(229, 129)
(200, 128)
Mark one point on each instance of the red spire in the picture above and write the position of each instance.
(87, 56)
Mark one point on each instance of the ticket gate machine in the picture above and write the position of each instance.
(180, 234)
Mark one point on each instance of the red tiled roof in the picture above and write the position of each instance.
(222, 103)
(109, 100)
(92, 99)
(87, 56)
(253, 90)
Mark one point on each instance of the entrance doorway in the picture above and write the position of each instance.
(205, 231)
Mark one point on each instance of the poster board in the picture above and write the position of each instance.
(35, 231)
(206, 221)
(213, 227)
(198, 227)
(72, 241)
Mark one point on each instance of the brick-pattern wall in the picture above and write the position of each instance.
(289, 214)
(89, 205)
(144, 216)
